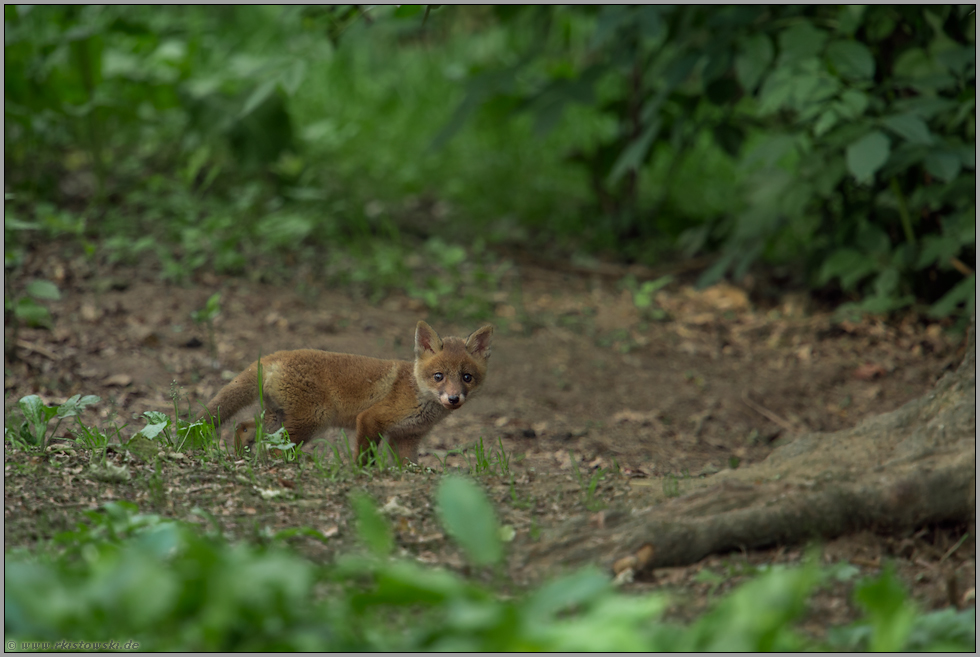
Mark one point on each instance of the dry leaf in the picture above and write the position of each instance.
(120, 380)
(869, 371)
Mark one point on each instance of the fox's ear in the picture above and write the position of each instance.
(427, 341)
(478, 344)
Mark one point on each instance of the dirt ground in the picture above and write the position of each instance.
(580, 382)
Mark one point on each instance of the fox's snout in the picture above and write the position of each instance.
(452, 401)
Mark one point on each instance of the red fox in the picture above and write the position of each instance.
(308, 390)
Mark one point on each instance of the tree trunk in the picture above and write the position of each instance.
(897, 471)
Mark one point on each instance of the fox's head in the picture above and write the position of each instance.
(451, 369)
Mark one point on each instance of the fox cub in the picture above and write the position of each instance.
(308, 390)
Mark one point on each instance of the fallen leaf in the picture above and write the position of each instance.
(89, 312)
(120, 380)
(869, 371)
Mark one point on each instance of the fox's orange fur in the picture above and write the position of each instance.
(308, 390)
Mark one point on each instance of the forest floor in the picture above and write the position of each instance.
(583, 388)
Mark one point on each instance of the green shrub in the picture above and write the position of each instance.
(92, 583)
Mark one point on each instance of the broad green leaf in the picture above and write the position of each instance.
(74, 405)
(825, 122)
(777, 91)
(372, 527)
(867, 155)
(852, 103)
(610, 19)
(257, 97)
(924, 106)
(755, 55)
(407, 11)
(964, 292)
(29, 311)
(43, 290)
(910, 127)
(850, 19)
(886, 602)
(581, 588)
(800, 41)
(850, 265)
(954, 629)
(35, 410)
(156, 422)
(944, 164)
(293, 77)
(633, 155)
(469, 518)
(852, 59)
(886, 283)
(937, 249)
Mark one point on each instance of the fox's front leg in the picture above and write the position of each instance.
(370, 428)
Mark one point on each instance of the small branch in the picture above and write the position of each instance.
(762, 410)
(960, 266)
(37, 349)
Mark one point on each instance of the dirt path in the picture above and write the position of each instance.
(579, 380)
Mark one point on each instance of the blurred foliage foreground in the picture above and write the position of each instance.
(91, 587)
(358, 146)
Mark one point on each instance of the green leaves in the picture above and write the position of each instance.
(43, 290)
(867, 155)
(33, 431)
(754, 57)
(909, 126)
(371, 525)
(851, 59)
(209, 595)
(467, 515)
(890, 612)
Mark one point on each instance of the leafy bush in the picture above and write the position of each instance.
(851, 130)
(210, 595)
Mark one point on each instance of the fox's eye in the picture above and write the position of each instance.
(438, 377)
(467, 377)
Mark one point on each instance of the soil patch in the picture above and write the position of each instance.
(582, 386)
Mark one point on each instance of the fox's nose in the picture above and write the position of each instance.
(454, 399)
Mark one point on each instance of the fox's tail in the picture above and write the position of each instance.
(239, 393)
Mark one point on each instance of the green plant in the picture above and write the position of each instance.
(91, 584)
(25, 309)
(176, 434)
(839, 139)
(33, 430)
(894, 623)
(95, 440)
(643, 295)
(279, 440)
(671, 486)
(589, 488)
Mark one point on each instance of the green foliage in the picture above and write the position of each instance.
(176, 434)
(371, 526)
(893, 622)
(26, 309)
(851, 128)
(467, 515)
(209, 595)
(33, 430)
(239, 140)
